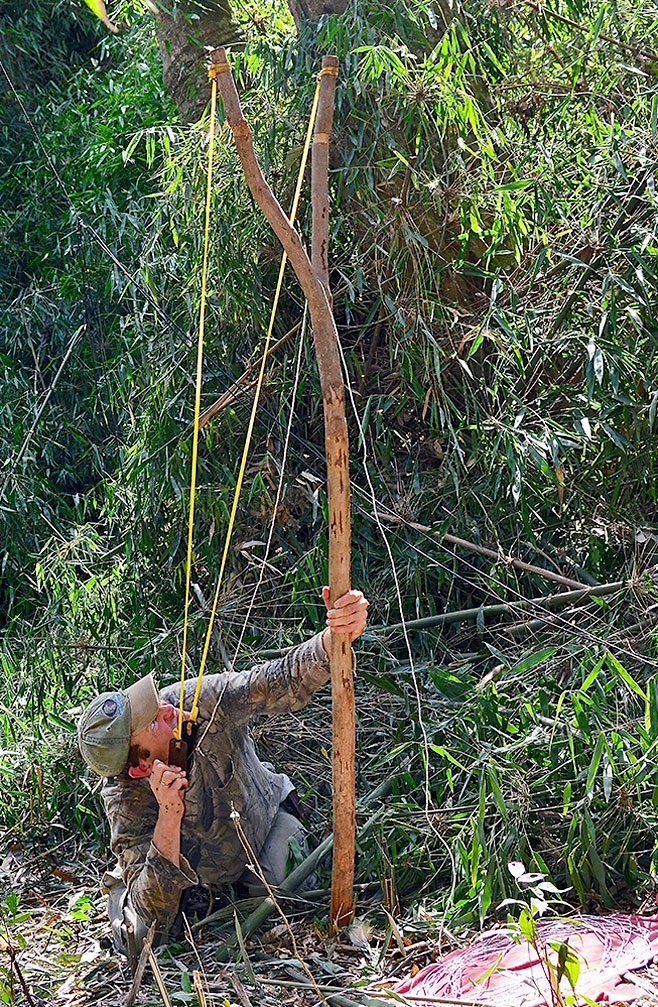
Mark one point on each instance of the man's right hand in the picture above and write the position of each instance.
(168, 784)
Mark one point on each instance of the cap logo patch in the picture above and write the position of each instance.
(110, 707)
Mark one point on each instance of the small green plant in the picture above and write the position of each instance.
(11, 941)
(542, 895)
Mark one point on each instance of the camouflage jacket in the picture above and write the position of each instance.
(226, 773)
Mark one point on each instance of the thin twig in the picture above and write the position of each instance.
(255, 867)
(141, 965)
(13, 964)
(518, 564)
(15, 463)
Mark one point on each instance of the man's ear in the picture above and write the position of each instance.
(139, 772)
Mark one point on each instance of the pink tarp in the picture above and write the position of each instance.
(499, 970)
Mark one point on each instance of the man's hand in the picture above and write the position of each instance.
(168, 784)
(348, 615)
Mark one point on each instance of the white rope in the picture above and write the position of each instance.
(398, 592)
(279, 488)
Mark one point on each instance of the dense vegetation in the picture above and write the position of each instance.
(494, 267)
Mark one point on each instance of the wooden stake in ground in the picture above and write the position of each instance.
(338, 485)
(314, 280)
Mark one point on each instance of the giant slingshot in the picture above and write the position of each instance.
(313, 276)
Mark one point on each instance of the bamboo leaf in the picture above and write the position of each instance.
(595, 763)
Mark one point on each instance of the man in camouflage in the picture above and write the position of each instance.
(172, 831)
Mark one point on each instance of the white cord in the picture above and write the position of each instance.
(280, 485)
(398, 592)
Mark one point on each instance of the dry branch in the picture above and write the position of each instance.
(482, 550)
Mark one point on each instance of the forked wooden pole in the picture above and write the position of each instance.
(315, 286)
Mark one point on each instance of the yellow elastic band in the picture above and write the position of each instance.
(216, 68)
(321, 138)
(252, 418)
(197, 397)
(331, 71)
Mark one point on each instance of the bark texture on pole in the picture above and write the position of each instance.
(338, 484)
(333, 395)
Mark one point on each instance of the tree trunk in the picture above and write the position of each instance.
(311, 10)
(185, 38)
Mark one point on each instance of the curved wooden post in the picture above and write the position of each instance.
(314, 281)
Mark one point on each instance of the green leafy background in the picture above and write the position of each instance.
(493, 261)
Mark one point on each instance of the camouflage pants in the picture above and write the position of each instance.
(129, 930)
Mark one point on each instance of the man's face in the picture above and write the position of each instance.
(156, 737)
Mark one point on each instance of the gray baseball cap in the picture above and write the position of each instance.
(105, 727)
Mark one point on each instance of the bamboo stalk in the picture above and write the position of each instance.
(294, 879)
(482, 550)
(548, 601)
(320, 172)
(336, 443)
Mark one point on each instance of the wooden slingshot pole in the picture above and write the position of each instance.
(313, 276)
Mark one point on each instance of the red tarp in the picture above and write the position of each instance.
(607, 947)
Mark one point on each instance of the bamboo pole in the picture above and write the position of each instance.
(320, 172)
(549, 601)
(336, 444)
(482, 550)
(294, 879)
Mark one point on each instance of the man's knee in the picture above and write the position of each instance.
(128, 928)
(274, 857)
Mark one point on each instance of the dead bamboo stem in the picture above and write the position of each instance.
(336, 443)
(241, 385)
(141, 965)
(482, 550)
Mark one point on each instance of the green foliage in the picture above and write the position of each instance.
(494, 248)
